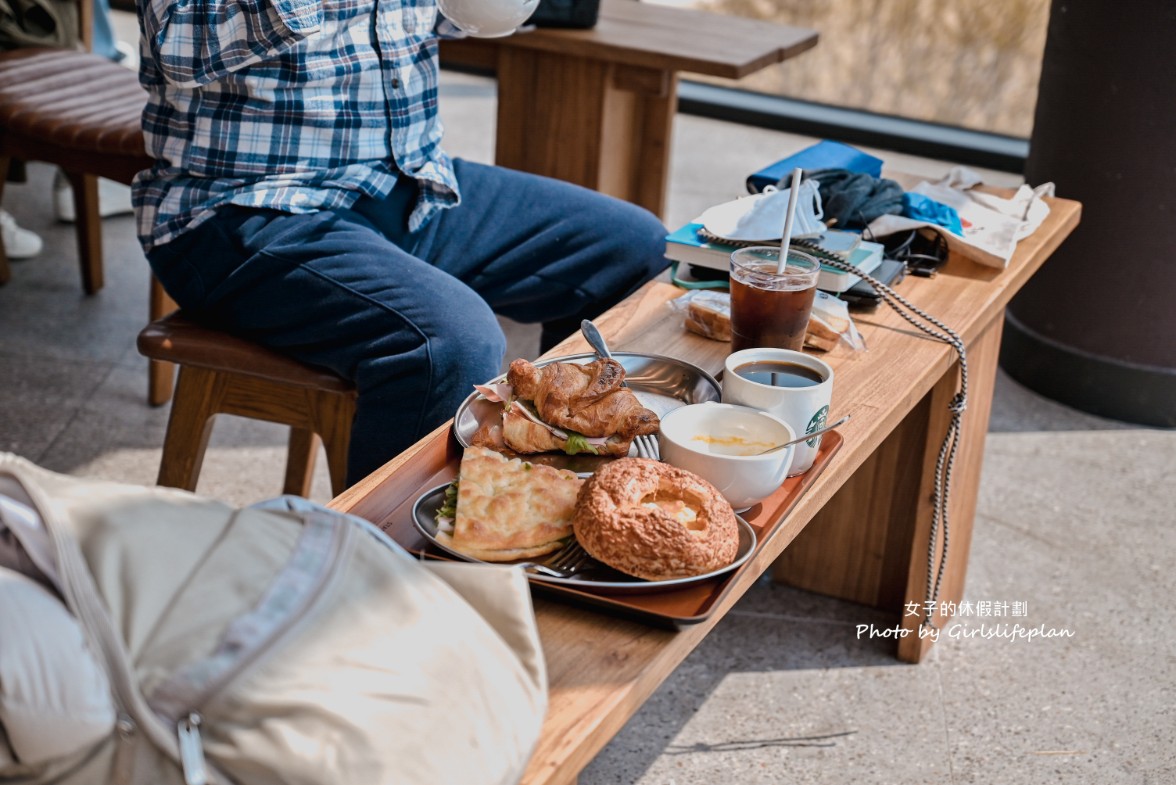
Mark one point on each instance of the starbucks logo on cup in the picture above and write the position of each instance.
(817, 423)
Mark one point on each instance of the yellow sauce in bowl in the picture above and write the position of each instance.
(733, 445)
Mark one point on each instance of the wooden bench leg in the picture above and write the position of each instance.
(197, 399)
(877, 525)
(88, 229)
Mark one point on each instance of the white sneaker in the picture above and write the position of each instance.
(113, 198)
(18, 243)
(128, 55)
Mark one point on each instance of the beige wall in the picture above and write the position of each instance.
(970, 63)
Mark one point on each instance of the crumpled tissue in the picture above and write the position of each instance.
(760, 217)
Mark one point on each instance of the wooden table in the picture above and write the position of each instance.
(596, 107)
(861, 530)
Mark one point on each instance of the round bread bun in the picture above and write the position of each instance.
(655, 521)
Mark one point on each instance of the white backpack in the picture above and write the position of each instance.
(148, 635)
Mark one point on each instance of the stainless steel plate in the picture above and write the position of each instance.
(596, 577)
(660, 383)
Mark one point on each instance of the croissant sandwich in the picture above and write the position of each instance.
(571, 408)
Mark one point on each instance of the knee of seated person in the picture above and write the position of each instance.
(471, 346)
(463, 342)
(638, 237)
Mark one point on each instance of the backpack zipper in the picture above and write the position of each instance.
(82, 597)
(180, 697)
(192, 750)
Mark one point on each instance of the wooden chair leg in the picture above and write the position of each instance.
(160, 302)
(89, 229)
(335, 413)
(5, 271)
(197, 399)
(160, 375)
(300, 458)
(161, 380)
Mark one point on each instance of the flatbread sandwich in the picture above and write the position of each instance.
(507, 509)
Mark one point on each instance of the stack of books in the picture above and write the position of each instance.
(692, 245)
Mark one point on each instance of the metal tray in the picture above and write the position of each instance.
(662, 384)
(438, 460)
(596, 577)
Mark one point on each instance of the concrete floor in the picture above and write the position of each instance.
(1074, 529)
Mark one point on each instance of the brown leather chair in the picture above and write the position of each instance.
(82, 113)
(223, 374)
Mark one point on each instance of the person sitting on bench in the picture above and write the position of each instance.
(301, 200)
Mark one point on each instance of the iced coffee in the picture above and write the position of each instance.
(770, 306)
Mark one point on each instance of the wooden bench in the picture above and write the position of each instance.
(861, 530)
(596, 107)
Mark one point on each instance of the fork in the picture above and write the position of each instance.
(569, 561)
(647, 447)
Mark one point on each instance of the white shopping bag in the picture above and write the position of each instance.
(992, 224)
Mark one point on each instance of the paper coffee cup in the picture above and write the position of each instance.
(775, 372)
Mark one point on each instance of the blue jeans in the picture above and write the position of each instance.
(409, 317)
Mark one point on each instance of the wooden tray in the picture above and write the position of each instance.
(438, 463)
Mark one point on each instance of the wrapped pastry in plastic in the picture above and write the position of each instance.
(708, 313)
(830, 323)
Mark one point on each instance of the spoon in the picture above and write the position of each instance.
(806, 436)
(595, 339)
(646, 444)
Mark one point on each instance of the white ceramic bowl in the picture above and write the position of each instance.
(488, 18)
(718, 442)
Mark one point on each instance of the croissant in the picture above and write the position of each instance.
(588, 398)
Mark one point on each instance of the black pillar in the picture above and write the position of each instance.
(1096, 327)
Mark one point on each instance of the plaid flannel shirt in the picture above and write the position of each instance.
(292, 105)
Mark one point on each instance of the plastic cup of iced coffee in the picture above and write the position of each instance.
(770, 306)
